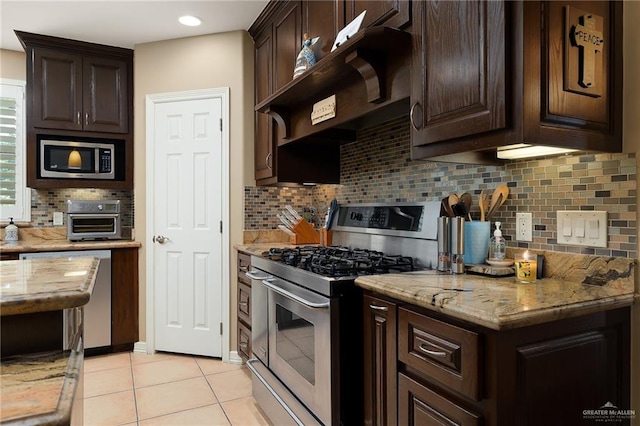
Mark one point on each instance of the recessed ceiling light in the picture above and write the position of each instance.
(190, 21)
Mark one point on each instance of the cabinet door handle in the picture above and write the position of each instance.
(413, 123)
(424, 349)
(266, 161)
(243, 304)
(78, 118)
(379, 308)
(86, 119)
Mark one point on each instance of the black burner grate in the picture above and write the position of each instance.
(339, 261)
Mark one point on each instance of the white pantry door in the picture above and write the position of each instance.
(188, 227)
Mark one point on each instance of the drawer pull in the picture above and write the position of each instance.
(243, 304)
(243, 345)
(424, 349)
(243, 268)
(379, 308)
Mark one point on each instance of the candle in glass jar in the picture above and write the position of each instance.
(526, 268)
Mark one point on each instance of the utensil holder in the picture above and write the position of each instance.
(477, 235)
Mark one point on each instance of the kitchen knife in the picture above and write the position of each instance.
(284, 221)
(293, 212)
(286, 230)
(290, 217)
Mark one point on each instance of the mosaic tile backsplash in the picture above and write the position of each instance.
(46, 201)
(378, 168)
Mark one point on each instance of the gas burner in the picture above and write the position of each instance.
(339, 261)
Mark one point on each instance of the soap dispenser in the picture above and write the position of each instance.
(497, 248)
(11, 231)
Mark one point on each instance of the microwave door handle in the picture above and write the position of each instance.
(295, 297)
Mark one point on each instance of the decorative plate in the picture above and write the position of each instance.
(503, 262)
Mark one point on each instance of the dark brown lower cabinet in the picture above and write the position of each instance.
(379, 361)
(425, 368)
(418, 405)
(124, 298)
(244, 307)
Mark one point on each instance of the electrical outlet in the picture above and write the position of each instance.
(57, 219)
(524, 227)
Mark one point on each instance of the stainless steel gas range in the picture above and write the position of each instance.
(307, 311)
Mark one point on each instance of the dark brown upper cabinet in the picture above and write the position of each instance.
(391, 13)
(486, 74)
(277, 35)
(368, 74)
(77, 90)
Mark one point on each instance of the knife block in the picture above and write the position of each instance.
(305, 233)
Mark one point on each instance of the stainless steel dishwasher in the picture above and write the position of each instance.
(97, 313)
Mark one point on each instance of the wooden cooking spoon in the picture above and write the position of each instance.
(453, 199)
(483, 202)
(466, 199)
(497, 199)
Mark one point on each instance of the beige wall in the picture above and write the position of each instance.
(211, 61)
(631, 138)
(13, 65)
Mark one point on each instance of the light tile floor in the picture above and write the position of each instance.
(167, 389)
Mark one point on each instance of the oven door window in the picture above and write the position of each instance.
(301, 348)
(87, 224)
(295, 343)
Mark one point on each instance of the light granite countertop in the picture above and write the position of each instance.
(501, 303)
(38, 285)
(574, 285)
(39, 389)
(55, 239)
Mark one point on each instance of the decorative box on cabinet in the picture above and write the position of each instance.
(509, 85)
(244, 306)
(75, 91)
(391, 13)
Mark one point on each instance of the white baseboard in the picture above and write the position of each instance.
(234, 358)
(140, 347)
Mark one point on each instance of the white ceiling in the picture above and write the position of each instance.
(122, 23)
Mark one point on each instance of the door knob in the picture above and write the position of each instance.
(160, 239)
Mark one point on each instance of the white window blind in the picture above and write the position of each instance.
(15, 197)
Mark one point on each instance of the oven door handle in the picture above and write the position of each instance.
(268, 283)
(253, 276)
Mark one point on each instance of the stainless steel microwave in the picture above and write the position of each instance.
(77, 160)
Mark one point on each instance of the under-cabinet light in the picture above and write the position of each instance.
(521, 150)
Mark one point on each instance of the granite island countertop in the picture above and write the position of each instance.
(40, 389)
(38, 285)
(501, 303)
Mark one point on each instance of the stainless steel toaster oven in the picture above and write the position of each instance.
(93, 220)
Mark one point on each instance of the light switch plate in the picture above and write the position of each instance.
(582, 228)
